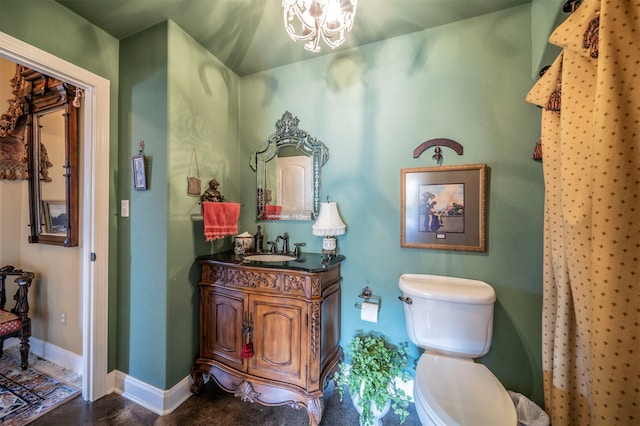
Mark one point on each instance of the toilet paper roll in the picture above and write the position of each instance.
(369, 312)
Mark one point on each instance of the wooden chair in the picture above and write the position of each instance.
(16, 322)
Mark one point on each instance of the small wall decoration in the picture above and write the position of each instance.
(444, 207)
(139, 175)
(139, 172)
(194, 184)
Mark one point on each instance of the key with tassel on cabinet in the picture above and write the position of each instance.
(247, 329)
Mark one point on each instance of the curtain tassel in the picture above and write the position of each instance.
(553, 104)
(591, 37)
(537, 151)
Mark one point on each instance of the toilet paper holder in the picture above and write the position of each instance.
(368, 296)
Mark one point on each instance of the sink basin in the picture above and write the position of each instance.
(269, 257)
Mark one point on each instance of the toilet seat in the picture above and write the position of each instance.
(460, 392)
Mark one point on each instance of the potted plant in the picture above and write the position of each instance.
(371, 377)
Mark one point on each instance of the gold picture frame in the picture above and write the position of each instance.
(444, 208)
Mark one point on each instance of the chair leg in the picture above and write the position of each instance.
(24, 352)
(25, 334)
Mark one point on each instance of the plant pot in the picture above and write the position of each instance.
(378, 414)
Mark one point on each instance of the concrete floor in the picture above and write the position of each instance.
(212, 408)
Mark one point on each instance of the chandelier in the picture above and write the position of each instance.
(319, 19)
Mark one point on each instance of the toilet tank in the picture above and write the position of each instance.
(448, 315)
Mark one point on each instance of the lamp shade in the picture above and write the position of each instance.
(329, 222)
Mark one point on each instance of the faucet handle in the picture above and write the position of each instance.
(296, 250)
(272, 248)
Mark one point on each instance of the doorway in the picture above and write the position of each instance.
(94, 263)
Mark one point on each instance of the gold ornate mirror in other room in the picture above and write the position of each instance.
(288, 168)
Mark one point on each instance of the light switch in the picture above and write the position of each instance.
(124, 208)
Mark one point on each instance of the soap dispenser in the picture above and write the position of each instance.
(258, 240)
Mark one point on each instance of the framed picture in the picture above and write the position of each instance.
(139, 173)
(444, 207)
(55, 217)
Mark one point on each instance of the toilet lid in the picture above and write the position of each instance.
(461, 392)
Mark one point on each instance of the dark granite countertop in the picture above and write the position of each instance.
(308, 262)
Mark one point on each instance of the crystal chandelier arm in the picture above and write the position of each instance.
(293, 10)
(319, 19)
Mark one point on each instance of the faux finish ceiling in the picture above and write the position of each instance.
(249, 35)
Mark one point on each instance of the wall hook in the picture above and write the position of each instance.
(459, 149)
(141, 147)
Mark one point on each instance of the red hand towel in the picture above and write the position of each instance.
(220, 219)
(272, 212)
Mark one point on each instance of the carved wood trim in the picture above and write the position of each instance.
(293, 282)
(315, 407)
(316, 285)
(16, 107)
(245, 392)
(214, 273)
(315, 329)
(252, 279)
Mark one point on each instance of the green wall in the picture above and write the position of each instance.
(142, 238)
(545, 17)
(175, 96)
(203, 114)
(372, 106)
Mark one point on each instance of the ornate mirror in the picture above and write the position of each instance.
(52, 136)
(288, 168)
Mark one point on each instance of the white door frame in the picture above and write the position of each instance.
(95, 220)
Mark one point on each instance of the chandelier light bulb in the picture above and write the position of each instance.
(315, 20)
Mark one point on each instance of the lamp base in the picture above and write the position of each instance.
(329, 247)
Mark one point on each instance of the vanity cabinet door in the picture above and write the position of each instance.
(278, 339)
(221, 326)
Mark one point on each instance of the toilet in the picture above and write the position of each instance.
(452, 320)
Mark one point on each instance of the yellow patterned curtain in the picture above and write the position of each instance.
(591, 158)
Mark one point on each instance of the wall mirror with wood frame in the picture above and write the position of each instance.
(52, 140)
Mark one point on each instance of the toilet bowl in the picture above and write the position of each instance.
(452, 320)
(460, 392)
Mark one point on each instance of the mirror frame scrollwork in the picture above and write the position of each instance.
(288, 134)
(40, 95)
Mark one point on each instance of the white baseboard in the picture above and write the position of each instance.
(157, 400)
(53, 353)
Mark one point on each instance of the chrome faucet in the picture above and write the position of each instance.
(285, 242)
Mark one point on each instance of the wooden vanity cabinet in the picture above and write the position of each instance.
(294, 322)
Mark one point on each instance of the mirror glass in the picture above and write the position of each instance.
(288, 167)
(53, 160)
(49, 155)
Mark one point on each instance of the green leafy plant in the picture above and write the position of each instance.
(377, 363)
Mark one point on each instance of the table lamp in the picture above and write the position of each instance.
(328, 225)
